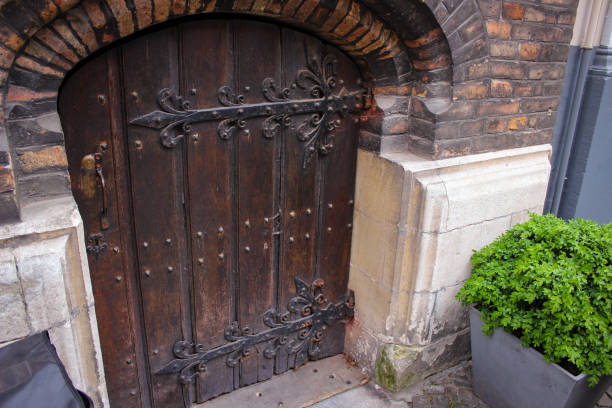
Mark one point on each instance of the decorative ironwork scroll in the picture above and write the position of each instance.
(318, 78)
(314, 313)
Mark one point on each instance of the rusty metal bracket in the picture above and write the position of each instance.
(319, 79)
(308, 314)
(96, 244)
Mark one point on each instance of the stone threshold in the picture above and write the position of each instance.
(299, 388)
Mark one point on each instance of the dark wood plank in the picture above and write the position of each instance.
(299, 189)
(336, 205)
(257, 57)
(211, 202)
(125, 216)
(150, 63)
(84, 111)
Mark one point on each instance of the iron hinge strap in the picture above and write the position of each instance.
(315, 314)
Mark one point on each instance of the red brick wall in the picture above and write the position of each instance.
(463, 76)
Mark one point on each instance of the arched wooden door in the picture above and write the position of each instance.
(218, 223)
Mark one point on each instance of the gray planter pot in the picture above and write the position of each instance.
(508, 375)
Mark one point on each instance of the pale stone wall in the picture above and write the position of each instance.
(45, 285)
(416, 224)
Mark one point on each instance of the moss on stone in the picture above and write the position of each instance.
(385, 373)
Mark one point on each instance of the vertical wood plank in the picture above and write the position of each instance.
(210, 177)
(336, 206)
(256, 191)
(85, 115)
(128, 250)
(157, 194)
(299, 189)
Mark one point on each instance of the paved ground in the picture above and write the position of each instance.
(449, 389)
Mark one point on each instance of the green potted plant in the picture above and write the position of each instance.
(541, 314)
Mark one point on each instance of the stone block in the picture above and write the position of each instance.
(372, 301)
(448, 316)
(43, 159)
(445, 209)
(13, 316)
(41, 268)
(444, 258)
(399, 366)
(375, 246)
(378, 187)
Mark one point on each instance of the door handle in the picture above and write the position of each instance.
(100, 173)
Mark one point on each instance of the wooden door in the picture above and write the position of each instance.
(213, 163)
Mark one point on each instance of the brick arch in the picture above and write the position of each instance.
(41, 40)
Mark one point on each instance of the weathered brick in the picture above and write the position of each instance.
(473, 50)
(523, 89)
(492, 142)
(513, 11)
(45, 158)
(459, 110)
(7, 179)
(6, 57)
(478, 70)
(498, 29)
(530, 51)
(452, 148)
(536, 32)
(161, 10)
(545, 71)
(566, 18)
(446, 130)
(460, 15)
(471, 29)
(539, 104)
(61, 26)
(79, 22)
(421, 127)
(441, 12)
(37, 51)
(544, 121)
(29, 132)
(393, 90)
(10, 38)
(46, 10)
(178, 7)
(530, 138)
(45, 185)
(434, 63)
(496, 107)
(65, 5)
(123, 16)
(95, 13)
(570, 3)
(517, 123)
(503, 49)
(144, 10)
(552, 88)
(16, 93)
(507, 70)
(471, 128)
(21, 18)
(501, 89)
(48, 38)
(490, 8)
(472, 90)
(496, 125)
(32, 65)
(535, 14)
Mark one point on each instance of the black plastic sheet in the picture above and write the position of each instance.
(32, 376)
